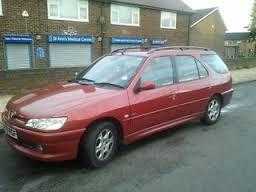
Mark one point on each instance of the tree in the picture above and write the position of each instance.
(253, 22)
(252, 28)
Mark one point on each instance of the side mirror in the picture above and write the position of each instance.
(147, 85)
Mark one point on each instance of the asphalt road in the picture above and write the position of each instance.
(189, 158)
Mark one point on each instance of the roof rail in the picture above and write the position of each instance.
(123, 50)
(182, 48)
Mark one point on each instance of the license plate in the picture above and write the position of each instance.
(10, 132)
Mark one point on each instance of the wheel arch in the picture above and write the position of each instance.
(219, 96)
(113, 120)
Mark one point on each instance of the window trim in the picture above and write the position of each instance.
(199, 62)
(161, 17)
(173, 71)
(1, 8)
(59, 18)
(124, 24)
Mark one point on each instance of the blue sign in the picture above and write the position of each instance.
(70, 39)
(40, 52)
(24, 39)
(159, 41)
(127, 40)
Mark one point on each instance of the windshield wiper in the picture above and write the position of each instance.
(109, 84)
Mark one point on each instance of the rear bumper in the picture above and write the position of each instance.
(227, 96)
(48, 147)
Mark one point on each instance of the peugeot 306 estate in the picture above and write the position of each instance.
(120, 98)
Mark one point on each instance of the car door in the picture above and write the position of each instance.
(193, 86)
(150, 108)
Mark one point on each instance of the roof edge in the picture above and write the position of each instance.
(203, 18)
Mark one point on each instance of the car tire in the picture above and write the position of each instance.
(213, 111)
(99, 145)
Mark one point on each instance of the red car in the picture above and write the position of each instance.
(120, 98)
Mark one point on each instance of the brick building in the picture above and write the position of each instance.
(47, 40)
(208, 29)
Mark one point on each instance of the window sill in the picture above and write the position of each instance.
(66, 19)
(168, 27)
(131, 25)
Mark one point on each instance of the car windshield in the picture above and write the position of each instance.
(113, 70)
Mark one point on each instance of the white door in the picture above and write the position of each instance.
(70, 55)
(18, 56)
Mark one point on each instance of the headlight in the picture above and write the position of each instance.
(46, 124)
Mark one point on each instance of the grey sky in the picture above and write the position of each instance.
(236, 13)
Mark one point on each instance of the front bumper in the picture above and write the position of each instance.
(47, 147)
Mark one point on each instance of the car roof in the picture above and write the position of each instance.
(173, 50)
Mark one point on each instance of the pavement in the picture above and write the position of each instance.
(190, 158)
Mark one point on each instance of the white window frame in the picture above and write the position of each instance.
(1, 8)
(125, 24)
(171, 16)
(68, 19)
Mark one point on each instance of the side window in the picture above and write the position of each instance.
(186, 68)
(202, 71)
(215, 62)
(160, 71)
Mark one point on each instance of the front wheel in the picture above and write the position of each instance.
(99, 146)
(213, 111)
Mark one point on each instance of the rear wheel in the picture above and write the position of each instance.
(213, 111)
(99, 146)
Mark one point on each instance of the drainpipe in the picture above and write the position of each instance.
(189, 28)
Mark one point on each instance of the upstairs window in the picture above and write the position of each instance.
(1, 11)
(168, 20)
(73, 10)
(124, 15)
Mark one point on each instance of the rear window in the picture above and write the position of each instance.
(215, 62)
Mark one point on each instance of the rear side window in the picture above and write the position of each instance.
(186, 68)
(160, 71)
(215, 62)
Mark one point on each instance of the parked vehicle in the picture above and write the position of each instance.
(121, 98)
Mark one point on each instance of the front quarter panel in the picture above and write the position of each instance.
(115, 106)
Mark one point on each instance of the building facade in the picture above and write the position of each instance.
(208, 29)
(47, 40)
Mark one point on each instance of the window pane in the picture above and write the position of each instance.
(69, 9)
(215, 62)
(83, 13)
(83, 8)
(168, 20)
(136, 17)
(202, 71)
(53, 8)
(186, 68)
(160, 71)
(1, 12)
(124, 15)
(114, 14)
